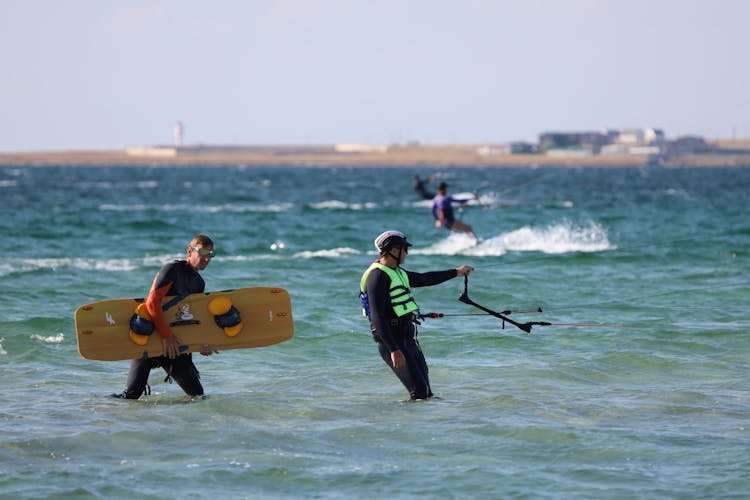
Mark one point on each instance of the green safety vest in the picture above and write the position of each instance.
(400, 292)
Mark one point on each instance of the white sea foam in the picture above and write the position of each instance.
(3, 352)
(341, 205)
(235, 207)
(96, 185)
(455, 243)
(330, 204)
(30, 265)
(160, 260)
(135, 207)
(177, 207)
(678, 193)
(52, 339)
(249, 258)
(228, 207)
(332, 252)
(363, 206)
(558, 238)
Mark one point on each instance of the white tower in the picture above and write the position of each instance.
(178, 134)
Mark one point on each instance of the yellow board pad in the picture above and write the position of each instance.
(103, 327)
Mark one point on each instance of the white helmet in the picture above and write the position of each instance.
(390, 239)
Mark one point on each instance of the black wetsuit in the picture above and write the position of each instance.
(392, 333)
(181, 280)
(421, 190)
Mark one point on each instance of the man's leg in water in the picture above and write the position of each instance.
(184, 372)
(414, 374)
(138, 377)
(460, 227)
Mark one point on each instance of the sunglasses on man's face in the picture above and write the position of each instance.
(204, 252)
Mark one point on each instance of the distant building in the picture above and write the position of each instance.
(513, 148)
(630, 137)
(648, 142)
(493, 150)
(654, 136)
(641, 137)
(522, 148)
(592, 141)
(575, 152)
(688, 144)
(178, 131)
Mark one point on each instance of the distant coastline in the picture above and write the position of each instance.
(728, 153)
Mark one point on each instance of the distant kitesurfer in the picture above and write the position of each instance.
(420, 187)
(442, 211)
(179, 277)
(385, 293)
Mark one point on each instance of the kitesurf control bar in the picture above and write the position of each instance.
(526, 327)
(503, 316)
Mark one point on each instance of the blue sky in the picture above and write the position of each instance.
(91, 74)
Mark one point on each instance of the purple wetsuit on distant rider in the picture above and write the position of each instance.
(442, 209)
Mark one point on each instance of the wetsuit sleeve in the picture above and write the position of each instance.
(435, 209)
(430, 278)
(163, 282)
(378, 287)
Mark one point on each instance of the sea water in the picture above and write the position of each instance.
(649, 397)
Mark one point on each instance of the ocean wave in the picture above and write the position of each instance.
(455, 243)
(234, 207)
(21, 266)
(171, 207)
(341, 205)
(50, 339)
(331, 252)
(558, 238)
(676, 192)
(30, 265)
(248, 258)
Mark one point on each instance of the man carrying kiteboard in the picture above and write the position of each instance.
(385, 294)
(178, 278)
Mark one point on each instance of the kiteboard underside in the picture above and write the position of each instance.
(261, 316)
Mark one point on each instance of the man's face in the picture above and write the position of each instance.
(199, 257)
(404, 254)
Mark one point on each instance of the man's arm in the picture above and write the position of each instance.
(159, 288)
(153, 304)
(430, 278)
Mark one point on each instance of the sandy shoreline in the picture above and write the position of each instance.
(399, 156)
